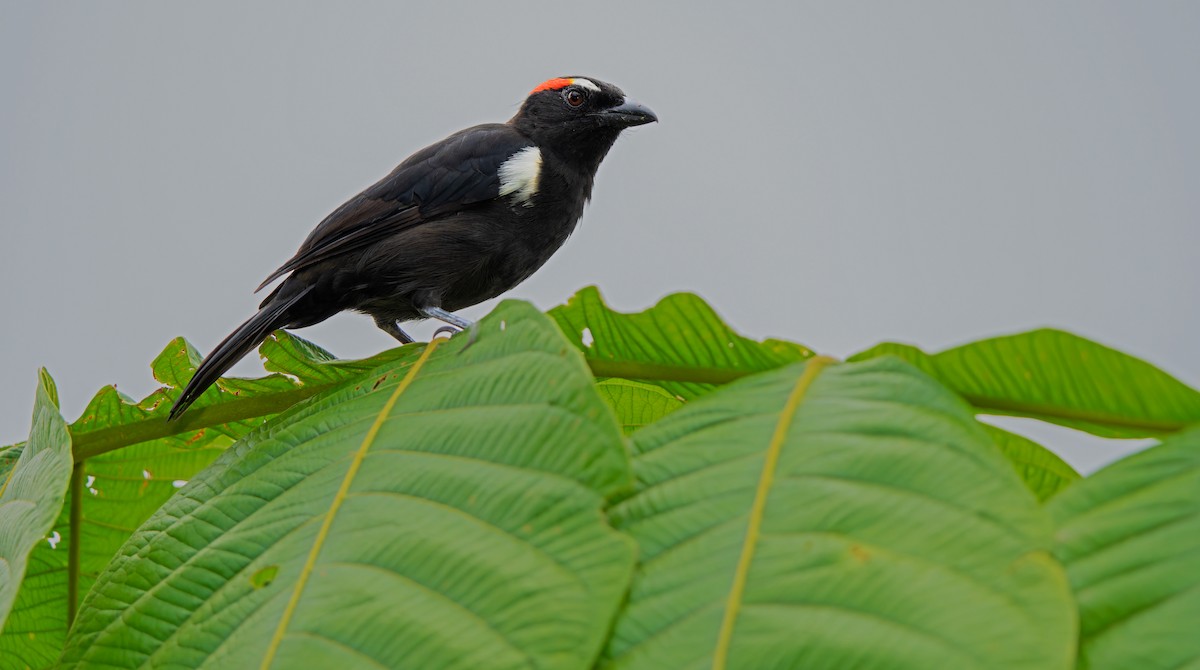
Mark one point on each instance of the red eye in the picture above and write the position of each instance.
(574, 97)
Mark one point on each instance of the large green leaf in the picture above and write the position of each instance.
(31, 497)
(835, 516)
(1060, 378)
(1043, 471)
(680, 342)
(443, 513)
(1129, 536)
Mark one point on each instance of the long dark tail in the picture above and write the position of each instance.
(250, 334)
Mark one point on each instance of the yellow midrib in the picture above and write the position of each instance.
(734, 602)
(340, 496)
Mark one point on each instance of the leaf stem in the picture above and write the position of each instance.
(88, 444)
(1004, 406)
(74, 540)
(665, 372)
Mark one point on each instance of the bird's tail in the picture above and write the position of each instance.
(231, 350)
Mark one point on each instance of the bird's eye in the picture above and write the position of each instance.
(574, 97)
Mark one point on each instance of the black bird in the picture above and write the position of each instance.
(457, 223)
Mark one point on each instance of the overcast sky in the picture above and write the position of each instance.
(835, 173)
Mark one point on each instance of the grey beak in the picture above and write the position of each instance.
(628, 113)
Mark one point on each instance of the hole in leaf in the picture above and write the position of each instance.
(264, 577)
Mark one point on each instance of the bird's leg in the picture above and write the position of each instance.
(445, 317)
(392, 328)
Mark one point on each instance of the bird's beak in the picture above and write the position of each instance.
(628, 113)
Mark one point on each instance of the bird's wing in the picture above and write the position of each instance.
(457, 173)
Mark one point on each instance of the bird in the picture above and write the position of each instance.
(457, 223)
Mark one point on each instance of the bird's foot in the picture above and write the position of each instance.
(472, 334)
(456, 323)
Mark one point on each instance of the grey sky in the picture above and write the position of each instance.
(833, 173)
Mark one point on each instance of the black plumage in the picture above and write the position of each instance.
(457, 223)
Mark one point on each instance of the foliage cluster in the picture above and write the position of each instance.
(591, 489)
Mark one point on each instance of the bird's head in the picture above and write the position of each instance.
(578, 118)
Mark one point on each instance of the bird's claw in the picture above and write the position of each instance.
(451, 331)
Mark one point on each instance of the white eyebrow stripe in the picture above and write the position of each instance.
(585, 83)
(520, 174)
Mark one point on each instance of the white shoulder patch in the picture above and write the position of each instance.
(519, 175)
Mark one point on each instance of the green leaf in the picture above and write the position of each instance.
(636, 404)
(294, 356)
(444, 513)
(31, 497)
(1129, 537)
(1042, 470)
(835, 516)
(680, 343)
(1060, 378)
